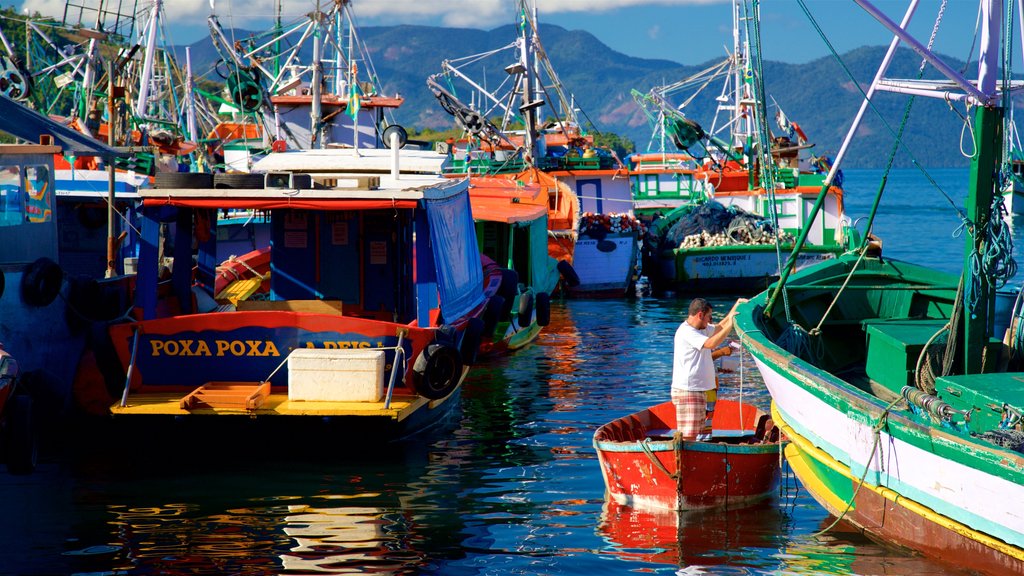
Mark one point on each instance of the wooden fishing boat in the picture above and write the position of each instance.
(373, 315)
(241, 277)
(511, 228)
(645, 466)
(580, 177)
(903, 406)
(45, 311)
(695, 245)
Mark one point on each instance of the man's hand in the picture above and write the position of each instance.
(738, 302)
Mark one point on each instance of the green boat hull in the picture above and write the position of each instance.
(843, 399)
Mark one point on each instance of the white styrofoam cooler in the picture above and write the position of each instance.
(336, 375)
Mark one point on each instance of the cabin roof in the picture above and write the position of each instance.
(504, 210)
(403, 193)
(336, 160)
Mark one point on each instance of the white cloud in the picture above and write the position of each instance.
(466, 13)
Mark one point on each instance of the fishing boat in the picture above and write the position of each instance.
(511, 228)
(586, 180)
(47, 312)
(645, 465)
(902, 405)
(281, 100)
(373, 314)
(718, 202)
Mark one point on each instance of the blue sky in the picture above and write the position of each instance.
(688, 31)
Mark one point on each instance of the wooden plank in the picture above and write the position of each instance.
(312, 306)
(236, 395)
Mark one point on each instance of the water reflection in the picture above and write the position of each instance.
(512, 486)
(749, 537)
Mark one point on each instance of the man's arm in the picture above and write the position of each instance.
(723, 328)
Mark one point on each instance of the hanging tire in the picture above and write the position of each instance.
(182, 180)
(41, 282)
(437, 371)
(22, 448)
(470, 343)
(505, 313)
(525, 308)
(543, 306)
(509, 286)
(239, 180)
(568, 273)
(492, 313)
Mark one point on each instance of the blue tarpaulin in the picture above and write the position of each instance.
(453, 240)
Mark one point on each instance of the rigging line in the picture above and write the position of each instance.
(871, 104)
(766, 161)
(899, 136)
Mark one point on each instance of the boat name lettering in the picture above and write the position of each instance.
(723, 259)
(185, 347)
(342, 345)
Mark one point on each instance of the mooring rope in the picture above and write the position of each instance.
(877, 433)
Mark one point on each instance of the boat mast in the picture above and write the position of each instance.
(315, 140)
(147, 64)
(529, 106)
(988, 133)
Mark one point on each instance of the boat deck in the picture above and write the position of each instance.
(169, 404)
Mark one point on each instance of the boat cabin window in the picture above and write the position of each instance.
(25, 195)
(508, 246)
(362, 258)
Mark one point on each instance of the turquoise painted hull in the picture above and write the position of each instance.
(844, 397)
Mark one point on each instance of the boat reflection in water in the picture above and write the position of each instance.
(344, 539)
(751, 536)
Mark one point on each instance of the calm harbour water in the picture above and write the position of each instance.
(510, 486)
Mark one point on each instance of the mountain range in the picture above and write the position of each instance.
(820, 95)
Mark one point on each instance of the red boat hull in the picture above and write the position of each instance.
(644, 466)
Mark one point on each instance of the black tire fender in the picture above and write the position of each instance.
(437, 371)
(41, 282)
(509, 286)
(492, 314)
(568, 273)
(525, 309)
(470, 343)
(22, 447)
(182, 180)
(543, 306)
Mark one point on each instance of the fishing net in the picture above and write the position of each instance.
(1008, 438)
(712, 218)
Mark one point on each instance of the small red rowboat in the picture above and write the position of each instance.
(641, 460)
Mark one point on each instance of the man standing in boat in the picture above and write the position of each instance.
(694, 384)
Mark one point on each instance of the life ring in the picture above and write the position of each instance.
(525, 308)
(492, 313)
(470, 343)
(22, 448)
(543, 306)
(568, 273)
(437, 371)
(41, 282)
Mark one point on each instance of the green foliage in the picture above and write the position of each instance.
(620, 144)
